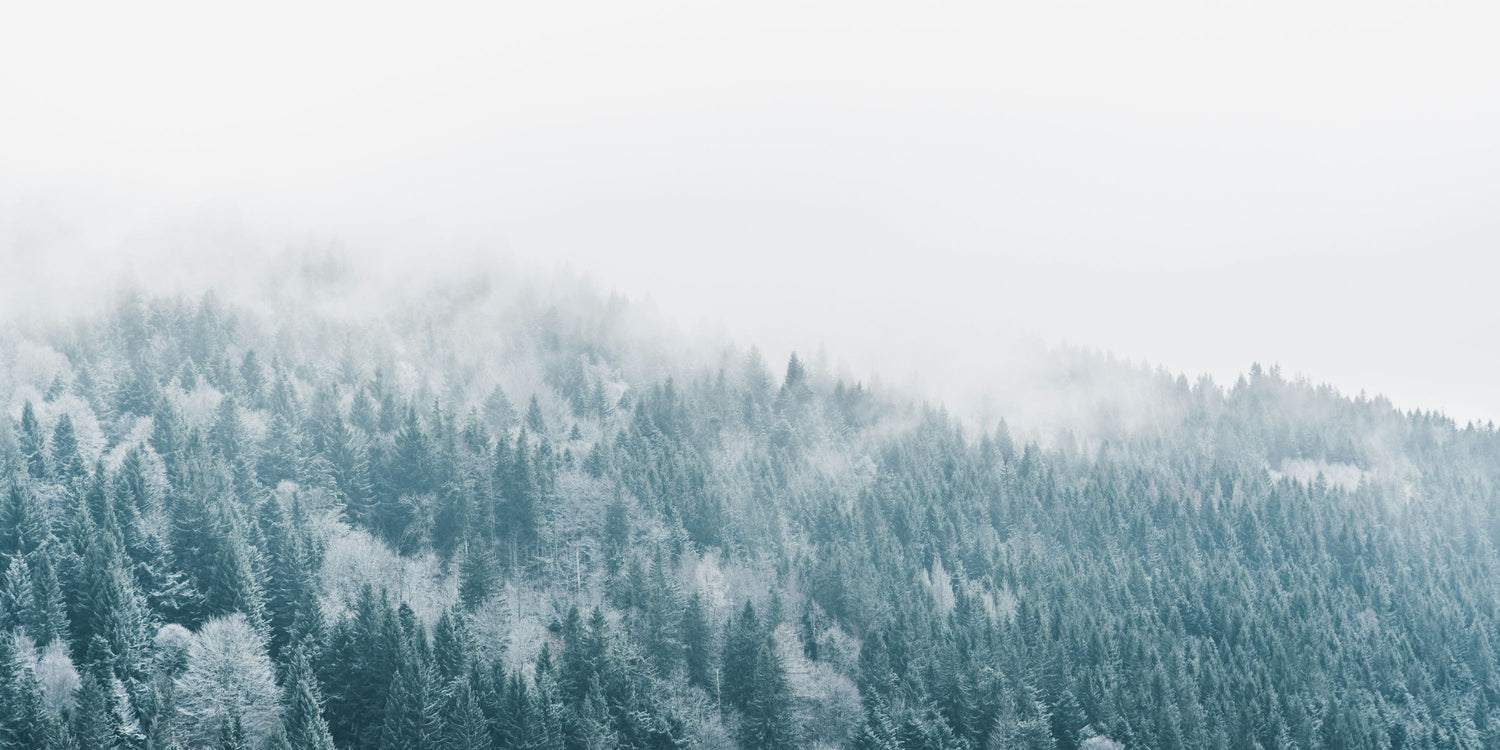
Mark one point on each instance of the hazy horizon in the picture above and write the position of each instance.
(916, 192)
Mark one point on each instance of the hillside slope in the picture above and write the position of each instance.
(491, 515)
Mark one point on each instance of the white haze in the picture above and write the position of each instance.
(918, 187)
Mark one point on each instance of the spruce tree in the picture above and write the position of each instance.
(67, 463)
(411, 712)
(33, 443)
(463, 723)
(302, 718)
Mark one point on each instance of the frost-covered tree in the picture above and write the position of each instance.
(228, 677)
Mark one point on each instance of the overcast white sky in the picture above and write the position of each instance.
(1197, 184)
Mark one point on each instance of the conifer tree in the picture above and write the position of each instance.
(232, 734)
(91, 719)
(768, 721)
(67, 463)
(23, 519)
(464, 725)
(534, 420)
(33, 443)
(411, 711)
(302, 719)
(697, 642)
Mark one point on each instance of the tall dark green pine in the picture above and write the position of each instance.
(23, 519)
(464, 726)
(409, 476)
(519, 492)
(91, 720)
(139, 391)
(67, 462)
(476, 574)
(768, 722)
(586, 655)
(291, 591)
(228, 433)
(18, 608)
(52, 605)
(451, 648)
(411, 712)
(168, 438)
(23, 719)
(499, 412)
(111, 616)
(232, 585)
(232, 735)
(253, 377)
(697, 643)
(350, 466)
(33, 443)
(356, 671)
(616, 535)
(303, 717)
(743, 637)
(514, 721)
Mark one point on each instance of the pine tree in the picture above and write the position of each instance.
(110, 611)
(18, 607)
(66, 460)
(451, 647)
(232, 734)
(24, 722)
(476, 574)
(291, 594)
(23, 519)
(499, 412)
(91, 720)
(33, 443)
(464, 724)
(303, 720)
(253, 376)
(534, 420)
(743, 638)
(586, 654)
(697, 642)
(281, 457)
(349, 466)
(411, 711)
(52, 608)
(231, 584)
(519, 490)
(228, 433)
(168, 438)
(362, 412)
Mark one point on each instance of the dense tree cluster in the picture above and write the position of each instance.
(219, 532)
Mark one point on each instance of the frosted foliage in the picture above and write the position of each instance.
(354, 558)
(37, 365)
(940, 585)
(1338, 474)
(228, 674)
(510, 626)
(198, 405)
(86, 430)
(706, 576)
(58, 677)
(1101, 743)
(173, 644)
(827, 704)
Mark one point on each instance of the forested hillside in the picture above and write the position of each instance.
(484, 516)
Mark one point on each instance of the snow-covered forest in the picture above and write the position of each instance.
(490, 514)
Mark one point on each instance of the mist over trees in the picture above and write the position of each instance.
(487, 515)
